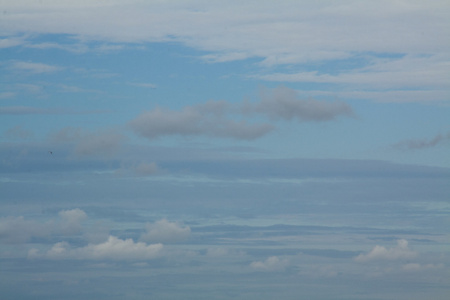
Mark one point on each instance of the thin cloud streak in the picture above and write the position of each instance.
(423, 143)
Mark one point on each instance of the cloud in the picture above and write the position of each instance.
(18, 132)
(165, 232)
(423, 144)
(34, 68)
(20, 230)
(284, 103)
(6, 95)
(112, 249)
(415, 267)
(144, 85)
(71, 220)
(22, 110)
(217, 118)
(97, 143)
(272, 263)
(204, 119)
(400, 252)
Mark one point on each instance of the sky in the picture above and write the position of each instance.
(224, 149)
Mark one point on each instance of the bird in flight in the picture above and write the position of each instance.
(50, 152)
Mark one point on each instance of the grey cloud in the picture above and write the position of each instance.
(214, 118)
(272, 263)
(19, 230)
(206, 119)
(22, 110)
(165, 231)
(71, 220)
(423, 143)
(18, 132)
(102, 142)
(284, 103)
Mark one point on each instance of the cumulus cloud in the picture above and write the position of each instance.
(423, 143)
(272, 263)
(165, 232)
(401, 251)
(207, 119)
(112, 249)
(284, 103)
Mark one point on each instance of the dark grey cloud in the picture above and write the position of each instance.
(284, 103)
(416, 144)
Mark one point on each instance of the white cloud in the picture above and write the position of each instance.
(279, 33)
(401, 251)
(112, 249)
(35, 68)
(300, 30)
(165, 232)
(272, 263)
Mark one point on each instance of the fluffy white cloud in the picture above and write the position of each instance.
(401, 251)
(272, 263)
(112, 249)
(165, 232)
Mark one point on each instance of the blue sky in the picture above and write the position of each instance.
(224, 150)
